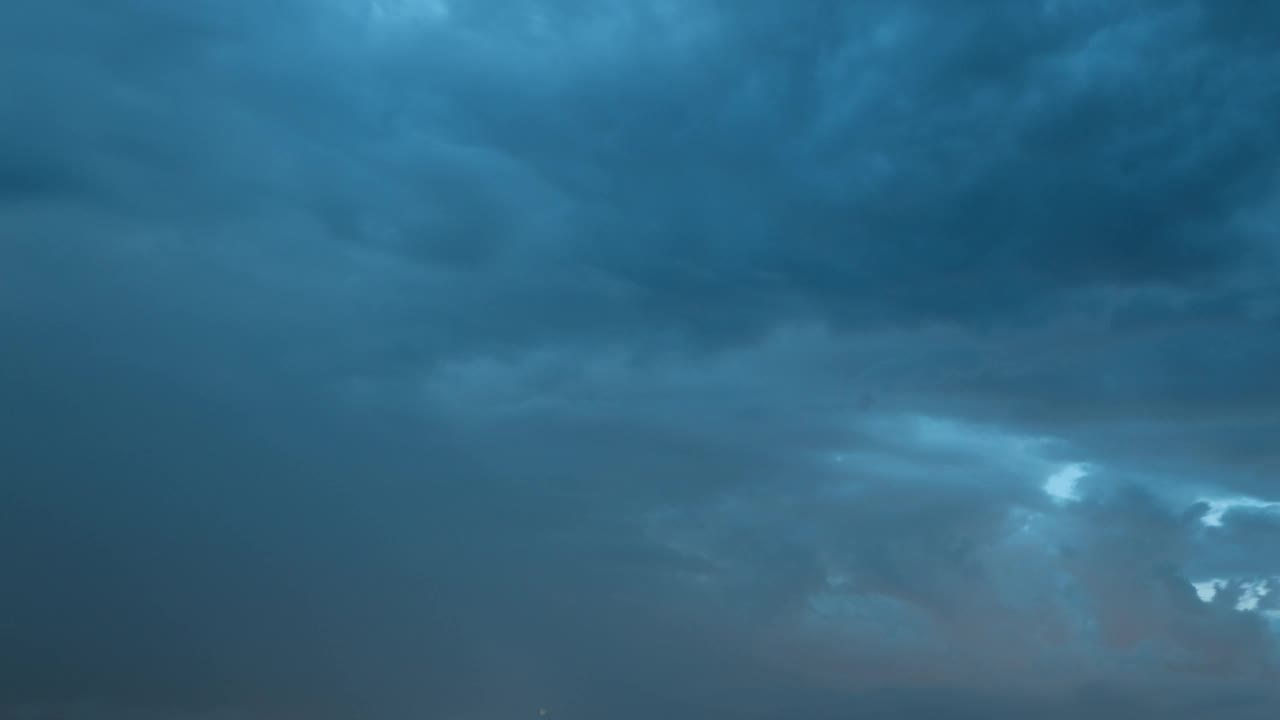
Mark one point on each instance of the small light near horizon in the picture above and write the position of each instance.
(402, 11)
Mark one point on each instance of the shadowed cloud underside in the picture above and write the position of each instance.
(700, 360)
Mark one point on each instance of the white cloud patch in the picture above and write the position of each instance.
(1062, 485)
(1207, 590)
(1219, 507)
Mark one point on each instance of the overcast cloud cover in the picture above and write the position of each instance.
(683, 359)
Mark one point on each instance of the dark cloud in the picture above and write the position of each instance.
(373, 358)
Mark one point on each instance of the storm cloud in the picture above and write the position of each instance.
(465, 359)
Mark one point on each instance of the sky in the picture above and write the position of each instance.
(682, 359)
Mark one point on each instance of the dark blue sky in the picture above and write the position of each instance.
(683, 359)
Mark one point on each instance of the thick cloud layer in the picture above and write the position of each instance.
(475, 358)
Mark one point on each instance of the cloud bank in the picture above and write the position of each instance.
(465, 359)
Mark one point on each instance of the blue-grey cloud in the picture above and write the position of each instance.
(377, 358)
